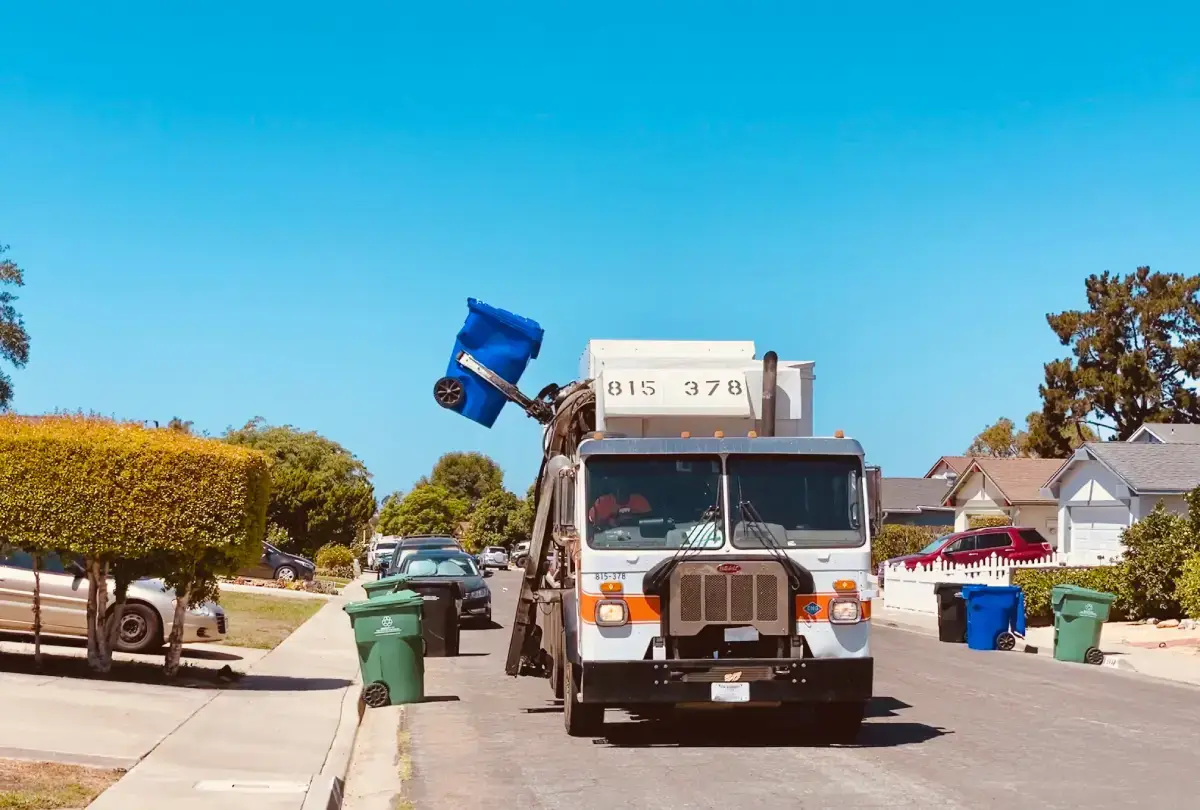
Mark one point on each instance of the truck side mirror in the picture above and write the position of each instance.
(564, 502)
(875, 497)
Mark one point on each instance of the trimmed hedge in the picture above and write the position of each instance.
(988, 522)
(334, 556)
(896, 540)
(1038, 582)
(109, 490)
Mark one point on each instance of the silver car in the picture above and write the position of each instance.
(493, 557)
(145, 625)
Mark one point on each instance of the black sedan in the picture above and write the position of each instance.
(455, 566)
(279, 565)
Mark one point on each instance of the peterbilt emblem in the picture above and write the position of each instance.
(729, 568)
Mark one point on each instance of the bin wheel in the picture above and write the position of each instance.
(1093, 656)
(449, 392)
(1006, 641)
(376, 695)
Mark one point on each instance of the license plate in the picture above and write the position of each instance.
(741, 634)
(731, 692)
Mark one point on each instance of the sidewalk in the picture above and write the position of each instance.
(1173, 663)
(288, 725)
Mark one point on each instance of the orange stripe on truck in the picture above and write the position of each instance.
(648, 609)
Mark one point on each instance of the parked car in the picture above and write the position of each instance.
(456, 565)
(145, 624)
(380, 548)
(411, 545)
(280, 565)
(519, 554)
(1007, 542)
(493, 557)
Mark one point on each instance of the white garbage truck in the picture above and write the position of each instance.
(694, 544)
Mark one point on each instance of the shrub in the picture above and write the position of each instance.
(1156, 548)
(895, 540)
(130, 501)
(338, 572)
(988, 521)
(1187, 588)
(1038, 582)
(334, 556)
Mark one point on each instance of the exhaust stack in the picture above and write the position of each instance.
(770, 362)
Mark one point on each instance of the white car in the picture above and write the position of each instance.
(493, 557)
(145, 625)
(381, 549)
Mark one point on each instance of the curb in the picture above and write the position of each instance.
(326, 790)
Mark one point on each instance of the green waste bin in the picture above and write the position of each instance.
(391, 650)
(379, 587)
(1079, 616)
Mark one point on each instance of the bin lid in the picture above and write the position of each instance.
(1085, 594)
(529, 328)
(990, 590)
(385, 582)
(387, 603)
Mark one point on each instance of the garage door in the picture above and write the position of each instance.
(1096, 531)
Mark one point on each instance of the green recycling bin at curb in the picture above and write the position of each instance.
(391, 649)
(1079, 616)
(379, 587)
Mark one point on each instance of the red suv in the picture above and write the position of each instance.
(1009, 542)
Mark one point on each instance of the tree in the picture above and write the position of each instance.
(14, 340)
(320, 492)
(131, 502)
(469, 476)
(495, 521)
(428, 509)
(1002, 440)
(178, 424)
(1136, 352)
(389, 513)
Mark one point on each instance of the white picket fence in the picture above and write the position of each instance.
(912, 589)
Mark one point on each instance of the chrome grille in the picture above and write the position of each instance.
(746, 592)
(690, 601)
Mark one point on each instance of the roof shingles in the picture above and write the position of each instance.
(913, 494)
(1019, 479)
(1167, 468)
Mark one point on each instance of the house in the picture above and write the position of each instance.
(916, 501)
(949, 467)
(1106, 486)
(1164, 433)
(1009, 488)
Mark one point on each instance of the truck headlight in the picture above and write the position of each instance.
(611, 612)
(844, 611)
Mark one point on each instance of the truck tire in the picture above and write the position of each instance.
(580, 719)
(557, 665)
(840, 722)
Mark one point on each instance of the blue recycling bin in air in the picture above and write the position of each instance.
(502, 342)
(995, 616)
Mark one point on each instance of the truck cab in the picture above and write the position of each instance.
(708, 549)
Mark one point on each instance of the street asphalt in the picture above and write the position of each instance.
(949, 727)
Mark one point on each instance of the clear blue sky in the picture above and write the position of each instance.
(278, 209)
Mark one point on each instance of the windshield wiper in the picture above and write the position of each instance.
(765, 535)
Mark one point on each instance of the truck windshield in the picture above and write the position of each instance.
(800, 501)
(654, 502)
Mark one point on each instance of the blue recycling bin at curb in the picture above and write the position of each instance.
(500, 341)
(995, 616)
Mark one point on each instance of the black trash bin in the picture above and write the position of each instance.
(439, 615)
(952, 612)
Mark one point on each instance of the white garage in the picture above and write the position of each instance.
(1096, 531)
(1106, 486)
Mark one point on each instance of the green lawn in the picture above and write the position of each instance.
(47, 786)
(262, 622)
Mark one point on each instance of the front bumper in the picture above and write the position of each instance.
(200, 629)
(783, 680)
(479, 606)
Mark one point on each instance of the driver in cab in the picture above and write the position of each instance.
(608, 510)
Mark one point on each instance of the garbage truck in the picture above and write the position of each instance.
(694, 544)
